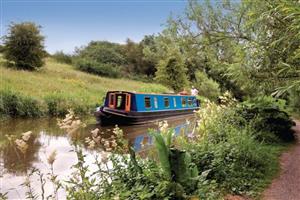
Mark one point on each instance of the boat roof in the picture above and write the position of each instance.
(161, 94)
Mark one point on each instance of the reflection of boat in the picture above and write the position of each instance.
(121, 107)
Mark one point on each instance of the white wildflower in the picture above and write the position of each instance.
(51, 158)
(21, 145)
(26, 135)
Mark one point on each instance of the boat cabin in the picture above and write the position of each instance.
(121, 107)
(139, 102)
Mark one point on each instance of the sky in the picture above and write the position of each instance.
(67, 24)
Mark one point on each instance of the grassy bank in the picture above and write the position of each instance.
(57, 87)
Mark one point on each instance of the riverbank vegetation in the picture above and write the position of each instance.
(227, 153)
(58, 87)
(233, 150)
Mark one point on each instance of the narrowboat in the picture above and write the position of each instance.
(125, 108)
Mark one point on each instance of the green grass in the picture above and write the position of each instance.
(57, 87)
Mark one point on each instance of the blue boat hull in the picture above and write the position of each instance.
(108, 116)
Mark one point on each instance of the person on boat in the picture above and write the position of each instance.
(194, 91)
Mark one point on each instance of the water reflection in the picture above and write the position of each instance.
(46, 137)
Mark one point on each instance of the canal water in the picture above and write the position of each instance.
(47, 137)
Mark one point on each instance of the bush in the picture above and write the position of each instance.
(23, 46)
(294, 101)
(269, 119)
(62, 57)
(58, 105)
(15, 105)
(237, 162)
(206, 86)
(94, 67)
(229, 151)
(171, 71)
(102, 52)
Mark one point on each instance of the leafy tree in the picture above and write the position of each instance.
(171, 71)
(101, 58)
(248, 47)
(207, 87)
(24, 46)
(102, 52)
(148, 42)
(135, 57)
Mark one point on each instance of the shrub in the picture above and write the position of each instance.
(58, 105)
(171, 71)
(102, 52)
(15, 105)
(23, 46)
(228, 151)
(94, 67)
(294, 101)
(61, 57)
(269, 119)
(206, 86)
(236, 162)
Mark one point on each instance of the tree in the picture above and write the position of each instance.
(24, 46)
(248, 47)
(134, 56)
(171, 71)
(103, 52)
(207, 87)
(137, 62)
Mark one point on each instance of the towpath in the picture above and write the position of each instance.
(287, 185)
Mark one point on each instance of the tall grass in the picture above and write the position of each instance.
(56, 87)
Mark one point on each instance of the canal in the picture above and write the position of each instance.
(47, 137)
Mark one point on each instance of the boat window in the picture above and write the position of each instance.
(155, 102)
(174, 101)
(119, 101)
(166, 102)
(190, 101)
(147, 102)
(183, 102)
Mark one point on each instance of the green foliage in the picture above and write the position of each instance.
(176, 164)
(23, 46)
(163, 151)
(101, 58)
(268, 118)
(248, 47)
(102, 52)
(294, 101)
(81, 186)
(171, 72)
(237, 163)
(230, 154)
(61, 57)
(224, 156)
(207, 87)
(94, 67)
(13, 104)
(136, 62)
